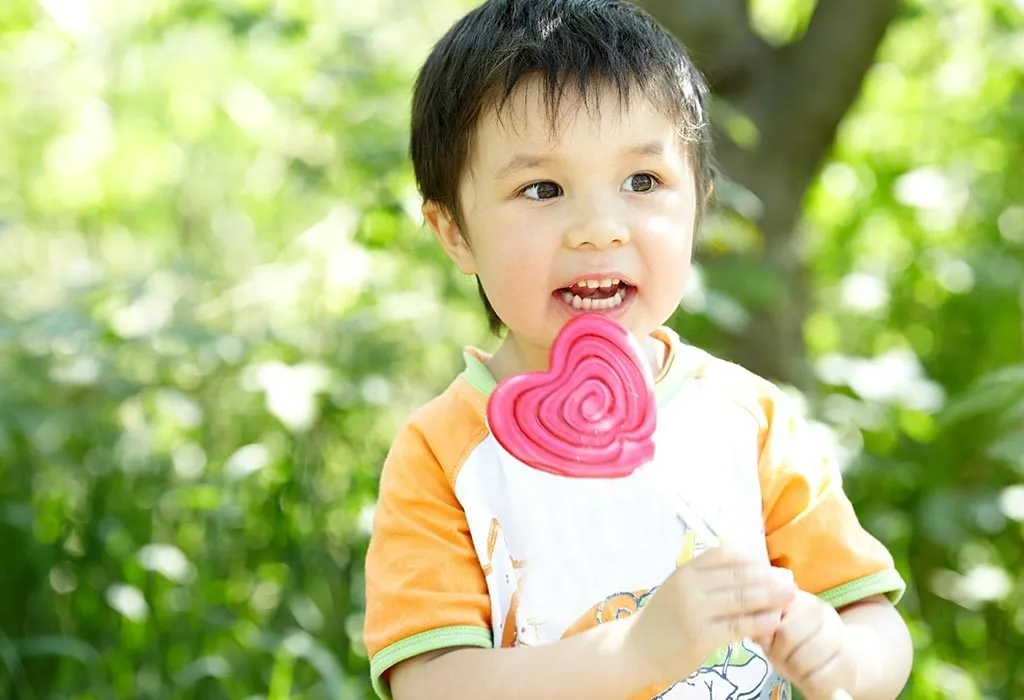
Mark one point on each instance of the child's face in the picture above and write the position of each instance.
(608, 201)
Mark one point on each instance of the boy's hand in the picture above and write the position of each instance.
(809, 648)
(717, 598)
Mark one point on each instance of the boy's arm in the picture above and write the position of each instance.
(881, 647)
(425, 589)
(812, 529)
(596, 664)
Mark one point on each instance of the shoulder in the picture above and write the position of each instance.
(441, 433)
(713, 378)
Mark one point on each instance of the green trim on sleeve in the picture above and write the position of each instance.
(887, 582)
(431, 640)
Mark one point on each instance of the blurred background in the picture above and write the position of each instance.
(218, 302)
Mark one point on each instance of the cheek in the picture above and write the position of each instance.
(668, 240)
(671, 226)
(667, 254)
(516, 271)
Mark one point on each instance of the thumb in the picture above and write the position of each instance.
(765, 641)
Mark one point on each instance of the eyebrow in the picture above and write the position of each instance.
(525, 161)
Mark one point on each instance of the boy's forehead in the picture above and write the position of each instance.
(530, 117)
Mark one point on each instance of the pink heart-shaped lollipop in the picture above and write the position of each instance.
(591, 415)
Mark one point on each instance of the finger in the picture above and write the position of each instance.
(812, 657)
(765, 641)
(725, 555)
(744, 575)
(728, 629)
(822, 683)
(782, 575)
(724, 602)
(731, 575)
(799, 626)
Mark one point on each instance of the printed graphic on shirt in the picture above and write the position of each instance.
(510, 574)
(741, 674)
(736, 672)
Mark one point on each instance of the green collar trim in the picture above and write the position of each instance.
(480, 378)
(477, 375)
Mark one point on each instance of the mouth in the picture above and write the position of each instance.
(596, 294)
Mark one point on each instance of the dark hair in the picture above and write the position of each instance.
(581, 44)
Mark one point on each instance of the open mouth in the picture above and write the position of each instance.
(596, 294)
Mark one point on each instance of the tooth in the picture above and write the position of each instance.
(588, 304)
(567, 297)
(606, 283)
(593, 284)
(606, 303)
(617, 299)
(577, 303)
(597, 304)
(615, 281)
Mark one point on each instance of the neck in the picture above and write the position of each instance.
(516, 357)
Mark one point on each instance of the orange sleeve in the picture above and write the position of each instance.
(810, 525)
(425, 589)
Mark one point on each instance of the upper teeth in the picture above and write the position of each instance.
(594, 284)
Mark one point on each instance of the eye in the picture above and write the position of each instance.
(540, 191)
(640, 182)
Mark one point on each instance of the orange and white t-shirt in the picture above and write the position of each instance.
(472, 548)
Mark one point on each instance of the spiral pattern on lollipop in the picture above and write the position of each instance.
(591, 415)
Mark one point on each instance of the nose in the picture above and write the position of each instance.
(597, 225)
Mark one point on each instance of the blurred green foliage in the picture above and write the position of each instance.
(217, 303)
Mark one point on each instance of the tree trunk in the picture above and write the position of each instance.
(795, 95)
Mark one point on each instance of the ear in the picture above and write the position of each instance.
(450, 237)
